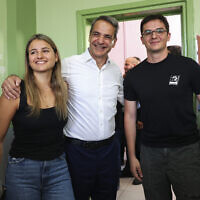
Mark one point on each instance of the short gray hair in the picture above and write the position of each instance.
(108, 19)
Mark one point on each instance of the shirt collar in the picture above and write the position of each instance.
(87, 57)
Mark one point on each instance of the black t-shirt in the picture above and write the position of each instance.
(119, 117)
(37, 138)
(165, 92)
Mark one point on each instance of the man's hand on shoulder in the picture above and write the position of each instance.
(11, 87)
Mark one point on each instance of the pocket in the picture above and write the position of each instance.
(13, 160)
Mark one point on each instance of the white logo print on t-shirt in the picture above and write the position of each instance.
(174, 79)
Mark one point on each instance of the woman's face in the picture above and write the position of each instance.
(42, 58)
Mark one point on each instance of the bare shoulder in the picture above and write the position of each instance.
(8, 109)
(8, 105)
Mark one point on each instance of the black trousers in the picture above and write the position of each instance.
(175, 168)
(94, 172)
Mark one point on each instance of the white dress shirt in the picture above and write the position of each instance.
(93, 95)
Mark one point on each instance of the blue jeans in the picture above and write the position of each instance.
(166, 168)
(38, 180)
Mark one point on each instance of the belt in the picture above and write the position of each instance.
(90, 144)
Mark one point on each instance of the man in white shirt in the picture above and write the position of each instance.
(95, 85)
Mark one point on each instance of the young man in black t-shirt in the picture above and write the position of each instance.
(164, 85)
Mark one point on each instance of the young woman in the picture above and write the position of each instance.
(36, 166)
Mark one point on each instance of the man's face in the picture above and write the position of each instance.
(157, 40)
(101, 39)
(130, 63)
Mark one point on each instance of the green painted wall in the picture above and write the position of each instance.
(21, 24)
(197, 17)
(17, 24)
(3, 30)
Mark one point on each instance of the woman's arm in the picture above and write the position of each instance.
(8, 109)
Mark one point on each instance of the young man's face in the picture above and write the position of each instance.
(101, 39)
(155, 41)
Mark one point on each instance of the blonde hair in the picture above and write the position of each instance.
(57, 83)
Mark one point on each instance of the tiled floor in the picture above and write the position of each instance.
(127, 191)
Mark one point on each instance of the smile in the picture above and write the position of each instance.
(99, 47)
(40, 62)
